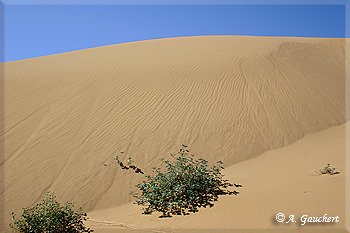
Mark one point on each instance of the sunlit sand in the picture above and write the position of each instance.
(272, 109)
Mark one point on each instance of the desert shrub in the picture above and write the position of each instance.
(129, 165)
(50, 216)
(328, 170)
(183, 186)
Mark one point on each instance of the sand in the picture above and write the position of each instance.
(229, 98)
(279, 181)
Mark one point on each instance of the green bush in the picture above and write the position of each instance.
(50, 216)
(328, 170)
(184, 186)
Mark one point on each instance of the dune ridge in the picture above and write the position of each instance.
(229, 98)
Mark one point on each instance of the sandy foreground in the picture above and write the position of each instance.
(272, 109)
(279, 181)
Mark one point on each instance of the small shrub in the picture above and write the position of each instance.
(184, 186)
(50, 216)
(129, 165)
(328, 170)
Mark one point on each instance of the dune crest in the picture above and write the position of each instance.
(229, 98)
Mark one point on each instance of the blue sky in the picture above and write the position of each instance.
(38, 30)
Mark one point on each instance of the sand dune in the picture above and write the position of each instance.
(229, 98)
(278, 181)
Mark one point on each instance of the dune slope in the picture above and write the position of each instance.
(229, 98)
(278, 181)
